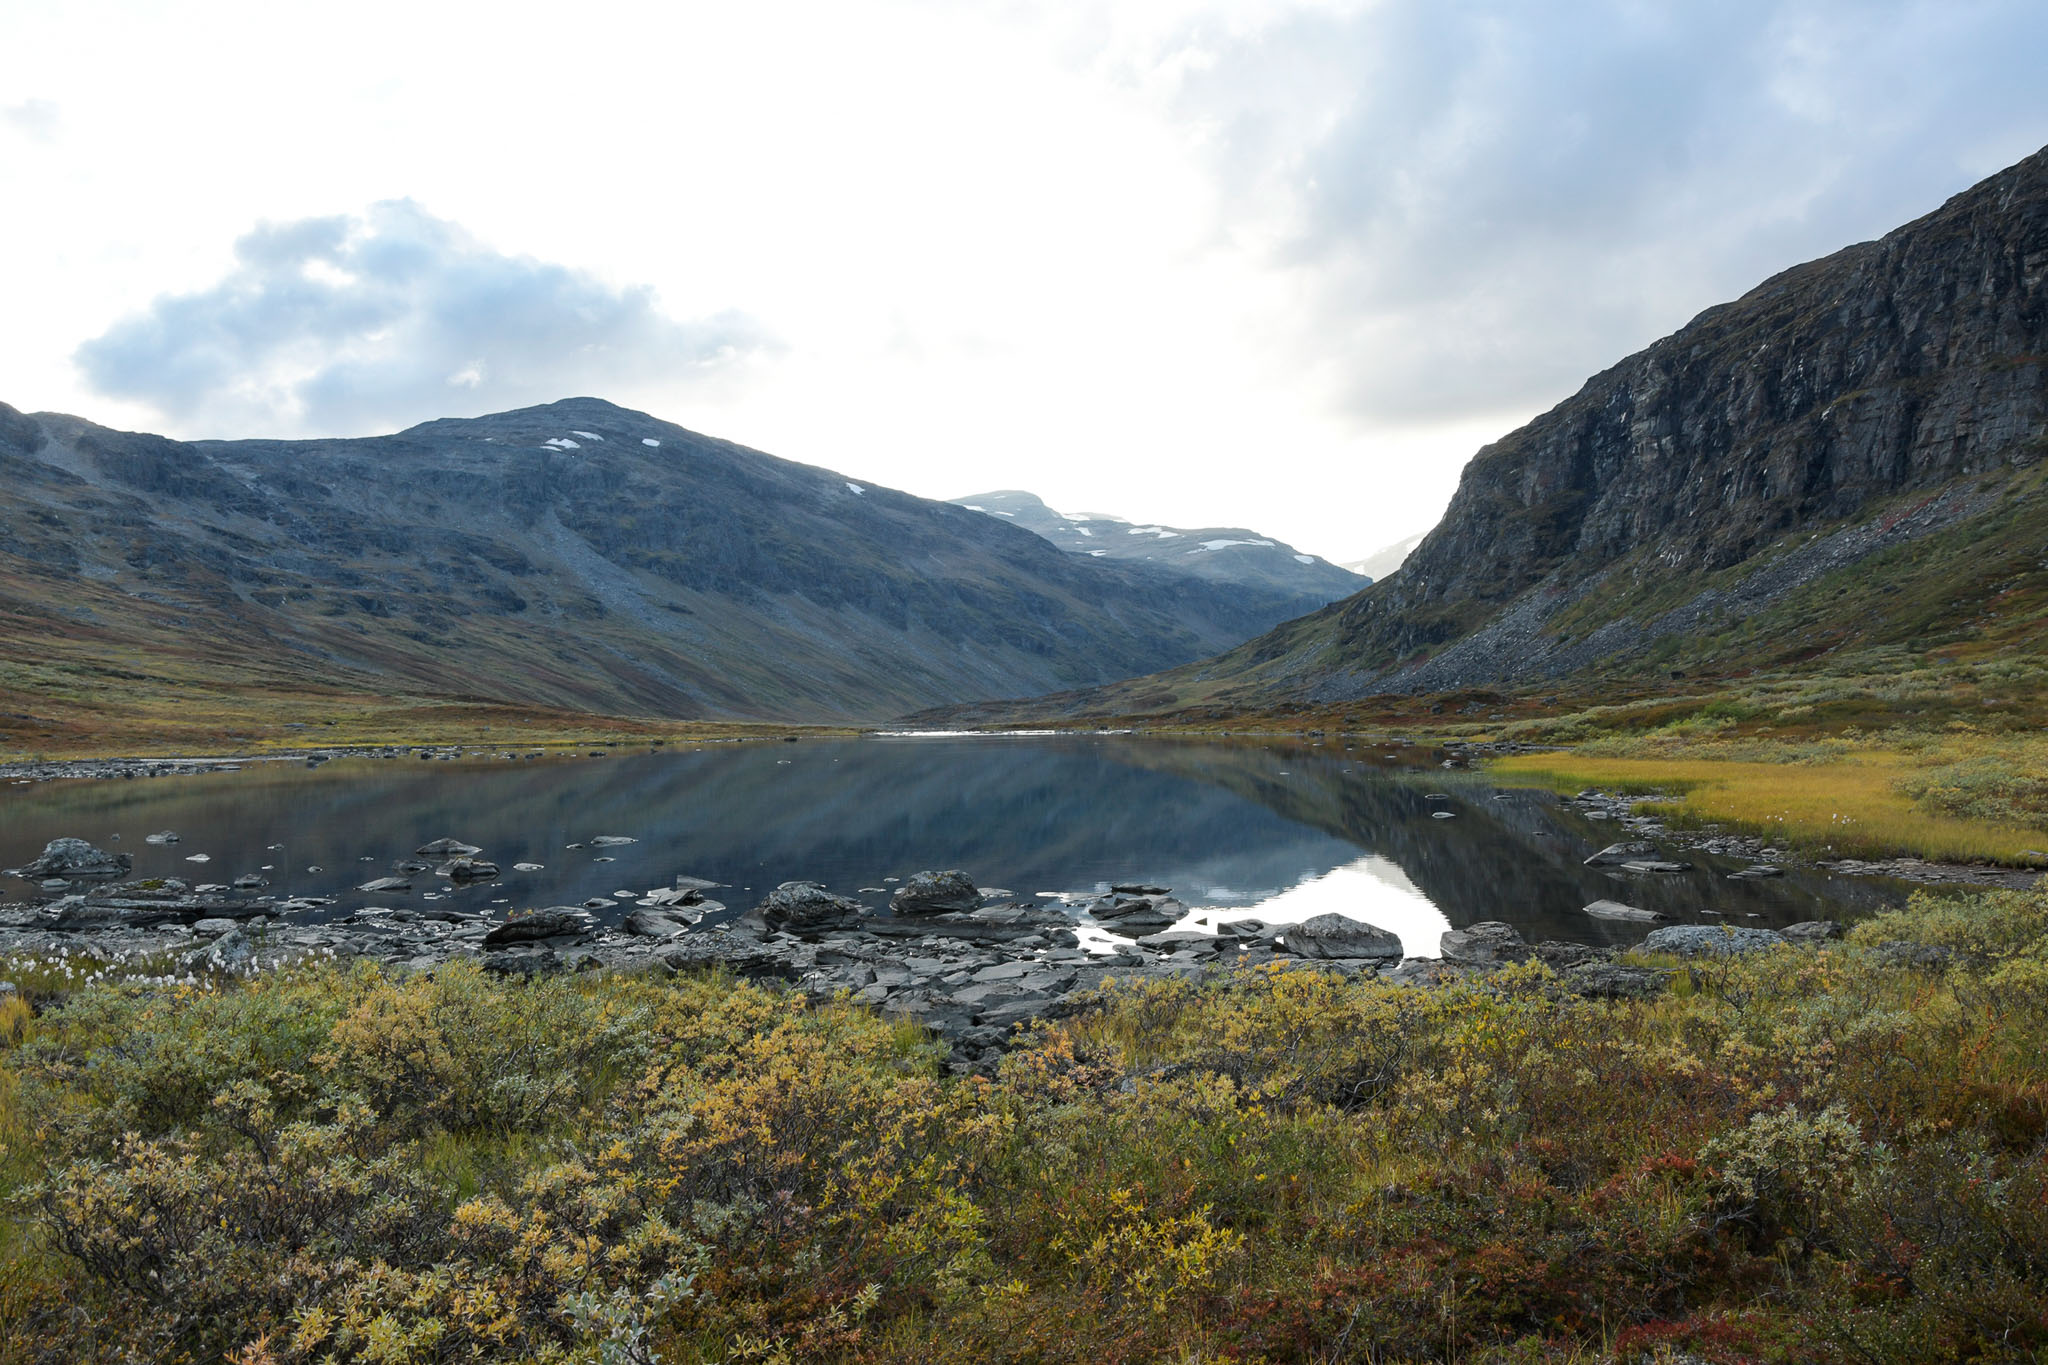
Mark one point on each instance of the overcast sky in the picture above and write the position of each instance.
(1284, 265)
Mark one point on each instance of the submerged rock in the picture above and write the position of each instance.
(935, 893)
(74, 858)
(447, 848)
(1619, 910)
(1616, 854)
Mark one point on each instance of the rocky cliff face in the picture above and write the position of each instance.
(1893, 391)
(576, 555)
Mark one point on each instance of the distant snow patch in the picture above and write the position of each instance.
(649, 441)
(1006, 514)
(856, 488)
(1226, 544)
(1159, 531)
(563, 443)
(587, 435)
(1305, 559)
(1084, 530)
(1098, 553)
(972, 508)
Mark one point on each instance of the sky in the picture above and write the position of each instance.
(1281, 264)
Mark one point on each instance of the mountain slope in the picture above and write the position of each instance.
(1848, 455)
(1222, 554)
(576, 555)
(1386, 559)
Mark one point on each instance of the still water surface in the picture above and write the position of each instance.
(1280, 832)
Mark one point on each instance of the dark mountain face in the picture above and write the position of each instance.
(1222, 554)
(1851, 453)
(579, 555)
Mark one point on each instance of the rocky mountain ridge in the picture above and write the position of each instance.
(1224, 554)
(577, 555)
(1849, 454)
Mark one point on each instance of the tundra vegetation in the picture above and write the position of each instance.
(1829, 1154)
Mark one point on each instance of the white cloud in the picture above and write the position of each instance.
(359, 324)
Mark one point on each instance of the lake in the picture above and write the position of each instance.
(1277, 831)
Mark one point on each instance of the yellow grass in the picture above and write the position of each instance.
(1851, 805)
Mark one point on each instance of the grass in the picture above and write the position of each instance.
(1807, 1156)
(1857, 805)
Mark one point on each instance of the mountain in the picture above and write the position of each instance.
(1849, 456)
(1220, 554)
(577, 555)
(1386, 559)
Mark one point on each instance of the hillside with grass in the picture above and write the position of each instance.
(1848, 458)
(577, 557)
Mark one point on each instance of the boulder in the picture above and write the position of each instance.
(1488, 943)
(1339, 936)
(612, 841)
(447, 848)
(1710, 940)
(807, 906)
(653, 923)
(553, 922)
(1139, 889)
(1617, 910)
(935, 893)
(466, 869)
(1900, 952)
(1812, 931)
(74, 858)
(386, 884)
(1614, 981)
(1649, 865)
(161, 837)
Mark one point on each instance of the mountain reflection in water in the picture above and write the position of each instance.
(1275, 832)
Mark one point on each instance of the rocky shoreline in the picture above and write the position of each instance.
(971, 965)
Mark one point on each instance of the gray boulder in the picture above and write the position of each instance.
(1486, 944)
(1338, 936)
(74, 858)
(1900, 952)
(807, 906)
(657, 923)
(1812, 931)
(1614, 981)
(1710, 940)
(553, 922)
(386, 884)
(935, 893)
(466, 869)
(447, 848)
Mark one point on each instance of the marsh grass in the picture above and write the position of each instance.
(1964, 799)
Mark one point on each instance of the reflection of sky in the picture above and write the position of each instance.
(1372, 889)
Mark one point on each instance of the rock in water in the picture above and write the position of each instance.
(1486, 944)
(1617, 910)
(162, 837)
(447, 848)
(803, 906)
(74, 858)
(935, 893)
(552, 922)
(1614, 855)
(386, 884)
(612, 841)
(466, 869)
(1710, 940)
(1339, 936)
(657, 923)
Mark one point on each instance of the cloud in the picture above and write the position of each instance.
(1484, 201)
(35, 119)
(365, 323)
